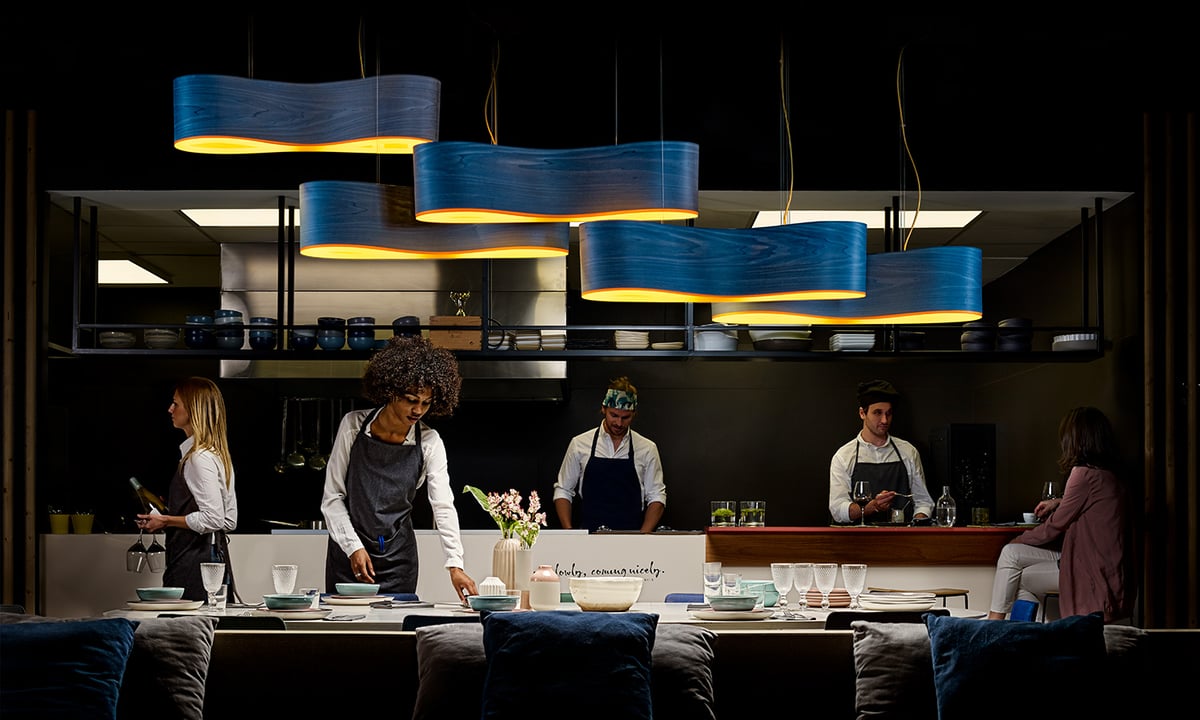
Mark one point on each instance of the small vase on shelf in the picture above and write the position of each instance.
(545, 589)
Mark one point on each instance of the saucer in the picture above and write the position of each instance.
(732, 614)
(354, 599)
(164, 604)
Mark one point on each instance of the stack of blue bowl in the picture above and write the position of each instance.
(331, 333)
(1014, 335)
(230, 331)
(304, 337)
(198, 334)
(361, 333)
(408, 325)
(978, 336)
(262, 333)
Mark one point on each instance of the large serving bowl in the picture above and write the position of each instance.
(357, 588)
(606, 594)
(287, 602)
(492, 603)
(150, 594)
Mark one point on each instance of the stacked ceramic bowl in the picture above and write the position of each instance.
(1014, 335)
(303, 337)
(631, 339)
(716, 337)
(554, 339)
(331, 333)
(528, 340)
(198, 333)
(161, 338)
(361, 333)
(407, 325)
(229, 331)
(116, 339)
(978, 336)
(262, 333)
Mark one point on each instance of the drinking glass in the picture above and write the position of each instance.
(284, 577)
(732, 584)
(802, 578)
(213, 576)
(825, 575)
(861, 495)
(781, 575)
(855, 577)
(712, 579)
(1052, 490)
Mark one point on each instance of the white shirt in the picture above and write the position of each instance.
(436, 478)
(841, 467)
(216, 504)
(645, 461)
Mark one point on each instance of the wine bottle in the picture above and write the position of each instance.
(148, 499)
(946, 508)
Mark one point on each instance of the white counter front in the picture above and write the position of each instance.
(84, 575)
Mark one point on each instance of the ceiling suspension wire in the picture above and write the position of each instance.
(250, 47)
(616, 91)
(907, 150)
(491, 100)
(787, 166)
(662, 139)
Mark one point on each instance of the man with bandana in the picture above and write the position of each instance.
(611, 476)
(891, 464)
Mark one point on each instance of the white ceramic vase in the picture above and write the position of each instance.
(506, 559)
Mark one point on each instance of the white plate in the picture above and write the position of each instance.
(916, 606)
(354, 599)
(164, 604)
(666, 346)
(299, 614)
(732, 614)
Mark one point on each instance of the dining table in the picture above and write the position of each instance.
(367, 617)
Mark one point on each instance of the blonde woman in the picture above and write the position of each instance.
(201, 502)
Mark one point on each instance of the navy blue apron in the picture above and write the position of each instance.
(613, 493)
(186, 548)
(381, 482)
(883, 476)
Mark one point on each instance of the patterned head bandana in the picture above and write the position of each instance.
(620, 400)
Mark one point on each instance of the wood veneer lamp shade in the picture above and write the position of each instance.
(462, 182)
(931, 285)
(227, 115)
(370, 221)
(629, 261)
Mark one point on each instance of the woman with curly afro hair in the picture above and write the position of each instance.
(380, 458)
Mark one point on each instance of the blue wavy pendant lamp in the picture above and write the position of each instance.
(627, 261)
(371, 221)
(931, 285)
(463, 182)
(229, 115)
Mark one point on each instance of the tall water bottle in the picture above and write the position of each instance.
(947, 510)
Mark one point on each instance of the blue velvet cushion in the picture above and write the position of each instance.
(597, 663)
(1007, 669)
(63, 670)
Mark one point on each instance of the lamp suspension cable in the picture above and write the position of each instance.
(250, 47)
(491, 99)
(787, 168)
(907, 150)
(616, 91)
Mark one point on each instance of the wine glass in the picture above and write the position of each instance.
(855, 577)
(213, 576)
(781, 575)
(802, 579)
(861, 495)
(825, 575)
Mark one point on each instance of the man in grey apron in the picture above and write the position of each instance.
(892, 465)
(611, 477)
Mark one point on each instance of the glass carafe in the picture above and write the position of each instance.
(947, 509)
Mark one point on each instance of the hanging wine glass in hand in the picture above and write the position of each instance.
(213, 577)
(802, 578)
(825, 575)
(855, 578)
(781, 575)
(861, 494)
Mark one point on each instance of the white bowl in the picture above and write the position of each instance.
(150, 594)
(357, 588)
(606, 594)
(757, 335)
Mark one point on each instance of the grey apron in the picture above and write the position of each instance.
(614, 495)
(381, 482)
(882, 476)
(186, 549)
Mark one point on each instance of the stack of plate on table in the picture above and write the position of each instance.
(528, 340)
(838, 598)
(631, 339)
(896, 600)
(852, 342)
(554, 339)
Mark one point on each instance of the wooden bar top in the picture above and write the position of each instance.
(872, 545)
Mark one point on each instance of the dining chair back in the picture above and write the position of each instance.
(684, 598)
(1024, 610)
(841, 619)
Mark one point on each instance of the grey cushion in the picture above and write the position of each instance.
(681, 675)
(893, 671)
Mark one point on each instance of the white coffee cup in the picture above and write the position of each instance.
(1029, 518)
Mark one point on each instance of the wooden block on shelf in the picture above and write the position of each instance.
(464, 336)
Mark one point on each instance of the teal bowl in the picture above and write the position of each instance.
(287, 602)
(150, 594)
(492, 603)
(770, 594)
(741, 603)
(357, 588)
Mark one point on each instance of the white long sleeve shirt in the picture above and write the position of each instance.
(645, 460)
(216, 504)
(841, 467)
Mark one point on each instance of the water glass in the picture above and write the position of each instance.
(712, 579)
(284, 578)
(825, 575)
(781, 575)
(213, 577)
(731, 583)
(854, 576)
(802, 578)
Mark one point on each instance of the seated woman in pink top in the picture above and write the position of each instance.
(1084, 547)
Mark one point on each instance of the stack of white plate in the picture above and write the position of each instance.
(896, 600)
(500, 340)
(116, 339)
(1074, 341)
(631, 339)
(554, 339)
(528, 340)
(677, 345)
(852, 342)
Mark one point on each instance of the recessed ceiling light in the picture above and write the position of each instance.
(236, 217)
(874, 219)
(126, 272)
